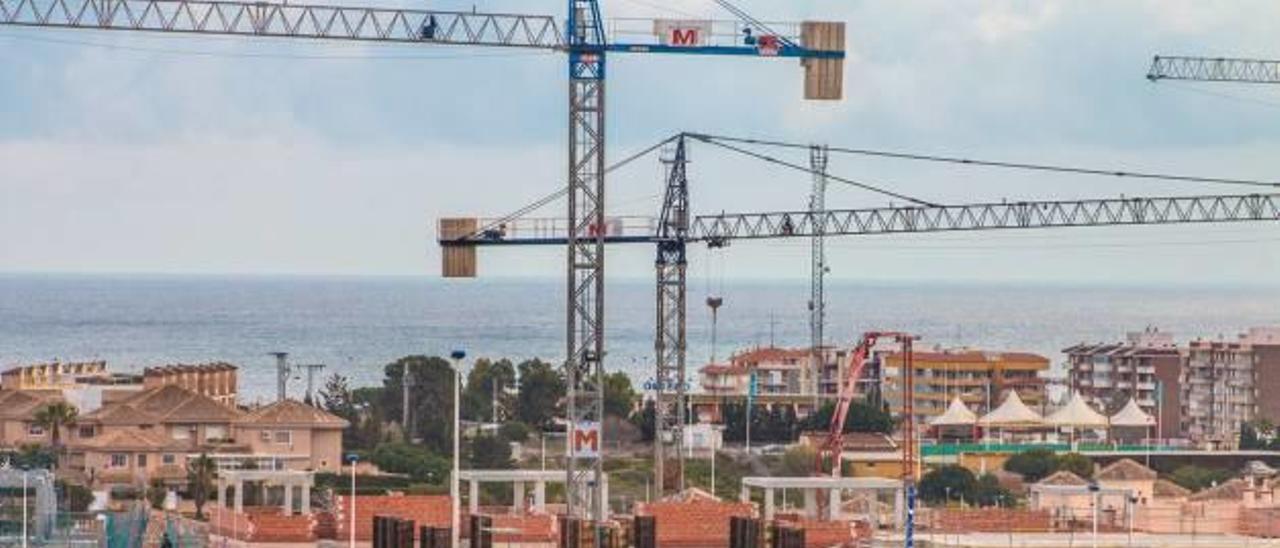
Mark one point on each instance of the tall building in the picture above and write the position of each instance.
(1229, 382)
(215, 380)
(979, 378)
(1146, 367)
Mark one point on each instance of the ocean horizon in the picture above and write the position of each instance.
(357, 324)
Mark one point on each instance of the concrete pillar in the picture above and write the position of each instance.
(239, 496)
(288, 498)
(811, 503)
(745, 494)
(540, 496)
(604, 491)
(768, 504)
(474, 491)
(833, 504)
(518, 489)
(222, 494)
(306, 498)
(263, 488)
(899, 508)
(873, 515)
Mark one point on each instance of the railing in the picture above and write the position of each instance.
(713, 33)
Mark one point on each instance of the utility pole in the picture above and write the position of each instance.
(818, 159)
(282, 375)
(406, 382)
(312, 369)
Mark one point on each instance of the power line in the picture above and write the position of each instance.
(995, 163)
(798, 167)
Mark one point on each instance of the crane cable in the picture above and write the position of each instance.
(774, 160)
(543, 201)
(994, 163)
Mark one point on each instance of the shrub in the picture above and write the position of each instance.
(949, 482)
(418, 464)
(1033, 465)
(515, 432)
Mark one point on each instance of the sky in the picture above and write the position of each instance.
(142, 153)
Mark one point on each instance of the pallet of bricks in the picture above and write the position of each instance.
(390, 532)
(751, 533)
(580, 533)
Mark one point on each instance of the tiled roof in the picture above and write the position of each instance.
(130, 439)
(770, 354)
(1063, 477)
(1168, 489)
(292, 413)
(22, 404)
(174, 403)
(967, 356)
(1229, 490)
(120, 414)
(1126, 470)
(694, 523)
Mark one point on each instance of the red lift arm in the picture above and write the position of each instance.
(829, 450)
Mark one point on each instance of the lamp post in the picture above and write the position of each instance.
(454, 495)
(351, 461)
(1093, 492)
(24, 507)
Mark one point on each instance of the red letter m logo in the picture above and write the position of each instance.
(586, 442)
(685, 37)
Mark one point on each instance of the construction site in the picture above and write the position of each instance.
(949, 468)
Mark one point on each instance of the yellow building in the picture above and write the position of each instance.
(979, 378)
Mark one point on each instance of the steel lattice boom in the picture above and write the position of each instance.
(1219, 69)
(289, 21)
(727, 227)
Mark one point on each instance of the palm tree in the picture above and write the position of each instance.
(54, 417)
(201, 472)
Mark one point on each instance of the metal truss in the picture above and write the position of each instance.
(584, 350)
(670, 342)
(1001, 216)
(818, 160)
(1207, 69)
(286, 20)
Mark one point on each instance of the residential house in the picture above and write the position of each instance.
(194, 420)
(17, 417)
(301, 436)
(128, 457)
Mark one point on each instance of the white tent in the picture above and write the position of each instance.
(957, 414)
(1132, 416)
(1077, 414)
(1012, 413)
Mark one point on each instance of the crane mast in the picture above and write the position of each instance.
(670, 344)
(818, 158)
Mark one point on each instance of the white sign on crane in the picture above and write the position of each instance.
(682, 32)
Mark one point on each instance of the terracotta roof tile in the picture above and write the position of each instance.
(1168, 489)
(1063, 477)
(130, 439)
(173, 403)
(1126, 470)
(1229, 490)
(292, 413)
(694, 523)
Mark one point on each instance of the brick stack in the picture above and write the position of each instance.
(694, 524)
(425, 510)
(533, 529)
(262, 526)
(818, 534)
(990, 520)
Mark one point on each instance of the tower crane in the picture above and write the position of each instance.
(675, 227)
(584, 36)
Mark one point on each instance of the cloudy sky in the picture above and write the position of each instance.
(212, 155)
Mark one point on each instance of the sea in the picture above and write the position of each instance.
(356, 325)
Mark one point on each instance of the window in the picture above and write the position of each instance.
(180, 432)
(265, 436)
(168, 458)
(142, 461)
(34, 429)
(283, 436)
(215, 432)
(119, 460)
(86, 431)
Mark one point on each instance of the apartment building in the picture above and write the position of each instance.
(215, 380)
(1146, 367)
(980, 378)
(1227, 382)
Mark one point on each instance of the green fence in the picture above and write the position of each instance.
(950, 450)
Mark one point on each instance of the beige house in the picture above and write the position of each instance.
(128, 457)
(195, 421)
(17, 413)
(302, 436)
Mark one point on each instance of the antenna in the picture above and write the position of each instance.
(282, 375)
(312, 369)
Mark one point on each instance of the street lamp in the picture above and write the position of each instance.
(454, 490)
(352, 458)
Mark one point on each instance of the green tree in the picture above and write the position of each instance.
(431, 400)
(643, 420)
(413, 461)
(1196, 478)
(156, 493)
(201, 472)
(950, 482)
(1034, 465)
(863, 417)
(486, 379)
(541, 390)
(55, 417)
(619, 396)
(515, 432)
(987, 491)
(1075, 463)
(487, 452)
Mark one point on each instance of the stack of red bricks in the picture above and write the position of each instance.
(989, 520)
(262, 525)
(818, 534)
(423, 510)
(527, 529)
(696, 523)
(1260, 522)
(227, 523)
